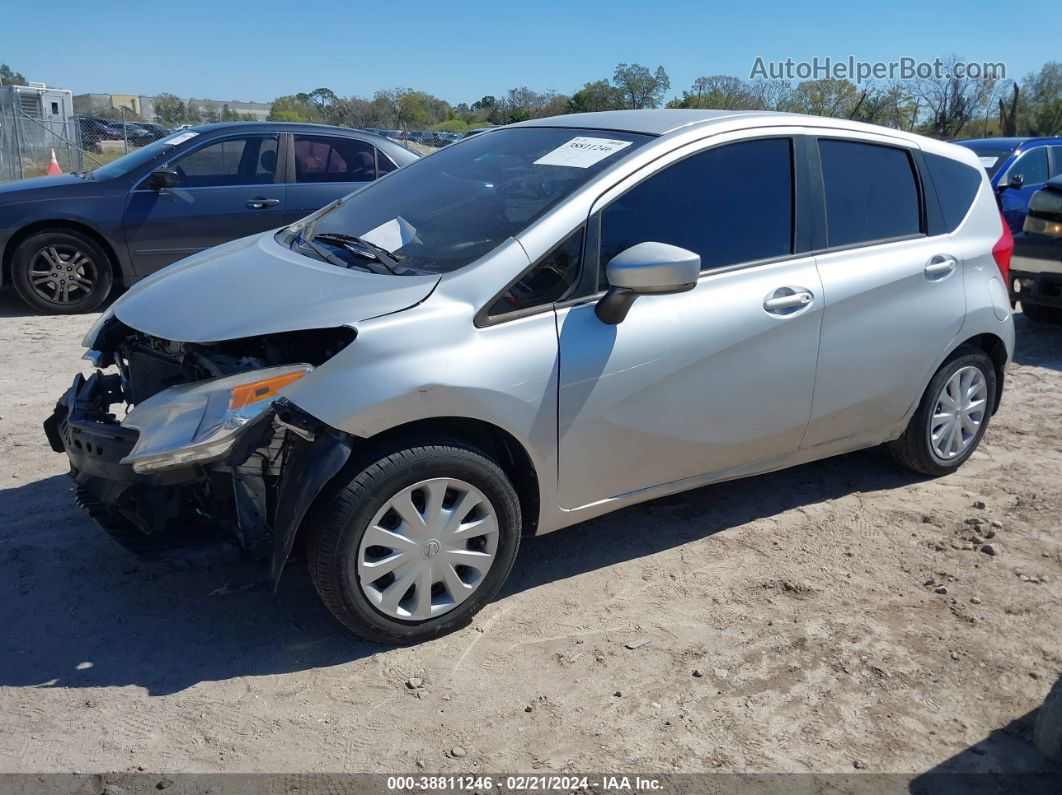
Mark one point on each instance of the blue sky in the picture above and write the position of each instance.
(240, 50)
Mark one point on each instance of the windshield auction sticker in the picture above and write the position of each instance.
(988, 162)
(581, 152)
(181, 138)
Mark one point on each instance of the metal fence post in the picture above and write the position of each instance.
(3, 143)
(18, 145)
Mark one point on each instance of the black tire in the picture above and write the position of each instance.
(337, 526)
(913, 449)
(1042, 315)
(66, 254)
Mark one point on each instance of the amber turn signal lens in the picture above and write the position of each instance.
(246, 394)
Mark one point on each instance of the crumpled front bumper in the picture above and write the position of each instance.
(167, 514)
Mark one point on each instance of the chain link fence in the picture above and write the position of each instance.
(82, 143)
(26, 145)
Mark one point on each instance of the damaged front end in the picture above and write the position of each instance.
(207, 450)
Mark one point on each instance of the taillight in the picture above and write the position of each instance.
(1002, 251)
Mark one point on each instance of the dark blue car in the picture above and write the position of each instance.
(67, 240)
(1017, 168)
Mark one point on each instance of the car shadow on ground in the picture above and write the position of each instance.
(651, 527)
(78, 611)
(1037, 345)
(13, 306)
(1006, 760)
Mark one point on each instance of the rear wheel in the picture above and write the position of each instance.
(952, 417)
(61, 272)
(1045, 315)
(416, 543)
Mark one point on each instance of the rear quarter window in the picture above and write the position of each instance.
(871, 193)
(956, 185)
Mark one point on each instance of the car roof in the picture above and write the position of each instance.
(1011, 142)
(286, 126)
(690, 124)
(666, 121)
(647, 122)
(380, 141)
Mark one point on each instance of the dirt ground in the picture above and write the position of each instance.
(833, 617)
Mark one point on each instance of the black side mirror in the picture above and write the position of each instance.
(1015, 181)
(163, 178)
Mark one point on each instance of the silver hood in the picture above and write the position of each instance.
(255, 286)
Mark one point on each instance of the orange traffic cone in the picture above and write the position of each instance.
(53, 167)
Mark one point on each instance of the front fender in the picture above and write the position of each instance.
(316, 457)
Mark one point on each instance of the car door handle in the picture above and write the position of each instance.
(261, 202)
(941, 265)
(784, 299)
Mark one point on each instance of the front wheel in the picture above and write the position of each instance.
(952, 417)
(61, 272)
(416, 543)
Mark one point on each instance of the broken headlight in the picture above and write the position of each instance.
(199, 422)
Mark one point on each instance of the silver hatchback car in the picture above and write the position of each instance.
(536, 326)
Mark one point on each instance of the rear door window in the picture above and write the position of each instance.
(1032, 166)
(1056, 161)
(322, 158)
(730, 204)
(871, 192)
(956, 185)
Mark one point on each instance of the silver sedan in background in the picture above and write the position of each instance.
(538, 326)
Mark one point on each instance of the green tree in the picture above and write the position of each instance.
(324, 104)
(406, 109)
(289, 108)
(170, 109)
(640, 88)
(837, 98)
(722, 92)
(389, 104)
(8, 77)
(487, 109)
(599, 95)
(1043, 98)
(890, 106)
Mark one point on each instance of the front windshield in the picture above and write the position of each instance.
(452, 207)
(126, 163)
(991, 157)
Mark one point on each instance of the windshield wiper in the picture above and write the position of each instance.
(327, 256)
(363, 248)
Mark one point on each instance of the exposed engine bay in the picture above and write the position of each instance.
(178, 446)
(149, 364)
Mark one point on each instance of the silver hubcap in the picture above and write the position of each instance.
(428, 549)
(62, 274)
(959, 412)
